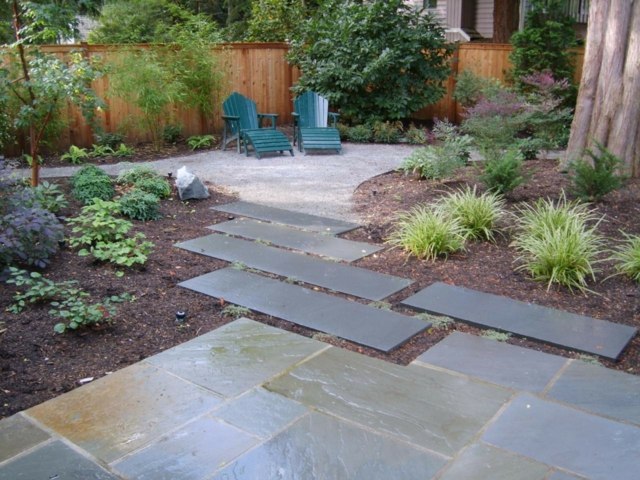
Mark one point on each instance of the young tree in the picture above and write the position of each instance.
(608, 110)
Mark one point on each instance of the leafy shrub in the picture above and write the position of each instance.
(416, 136)
(156, 186)
(235, 311)
(140, 205)
(124, 253)
(387, 132)
(109, 139)
(627, 257)
(199, 142)
(457, 144)
(593, 181)
(556, 243)
(87, 188)
(343, 130)
(98, 151)
(96, 223)
(123, 151)
(133, 175)
(427, 233)
(171, 133)
(46, 195)
(470, 88)
(360, 133)
(75, 155)
(478, 214)
(503, 171)
(433, 162)
(38, 289)
(29, 236)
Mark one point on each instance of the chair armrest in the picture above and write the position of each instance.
(333, 118)
(271, 116)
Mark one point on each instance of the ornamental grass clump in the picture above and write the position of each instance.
(557, 242)
(428, 232)
(478, 214)
(627, 257)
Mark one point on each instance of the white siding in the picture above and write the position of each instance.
(484, 18)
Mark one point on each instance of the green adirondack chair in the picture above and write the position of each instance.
(243, 124)
(314, 125)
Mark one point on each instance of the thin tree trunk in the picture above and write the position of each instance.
(505, 19)
(598, 13)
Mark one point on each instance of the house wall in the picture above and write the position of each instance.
(484, 18)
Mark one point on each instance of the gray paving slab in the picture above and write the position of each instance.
(497, 362)
(601, 390)
(310, 242)
(301, 220)
(124, 411)
(236, 357)
(321, 447)
(483, 462)
(586, 444)
(376, 328)
(193, 452)
(261, 412)
(328, 274)
(563, 476)
(564, 329)
(429, 408)
(18, 434)
(53, 461)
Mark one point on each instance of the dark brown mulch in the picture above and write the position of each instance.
(36, 364)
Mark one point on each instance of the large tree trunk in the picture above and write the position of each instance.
(505, 19)
(608, 110)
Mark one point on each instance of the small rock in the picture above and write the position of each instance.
(190, 186)
(82, 381)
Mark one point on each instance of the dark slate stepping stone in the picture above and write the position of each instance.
(310, 242)
(380, 329)
(496, 362)
(601, 390)
(588, 445)
(334, 276)
(564, 329)
(287, 217)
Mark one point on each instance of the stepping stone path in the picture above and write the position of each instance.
(335, 276)
(376, 328)
(567, 330)
(303, 221)
(310, 242)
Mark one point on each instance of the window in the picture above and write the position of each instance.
(431, 4)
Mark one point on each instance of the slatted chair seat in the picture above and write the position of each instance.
(243, 124)
(314, 126)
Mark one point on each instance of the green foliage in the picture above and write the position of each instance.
(360, 133)
(433, 162)
(377, 60)
(124, 253)
(502, 170)
(343, 130)
(591, 180)
(275, 20)
(109, 139)
(470, 88)
(428, 233)
(140, 205)
(76, 311)
(123, 151)
(98, 223)
(545, 42)
(415, 135)
(437, 321)
(199, 142)
(387, 132)
(47, 195)
(131, 176)
(99, 150)
(37, 289)
(75, 155)
(496, 336)
(627, 257)
(457, 145)
(558, 242)
(235, 311)
(171, 133)
(91, 183)
(478, 214)
(157, 186)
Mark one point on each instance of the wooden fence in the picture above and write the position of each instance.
(261, 71)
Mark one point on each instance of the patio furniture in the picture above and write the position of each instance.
(243, 124)
(311, 130)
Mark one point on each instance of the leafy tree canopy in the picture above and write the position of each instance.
(277, 20)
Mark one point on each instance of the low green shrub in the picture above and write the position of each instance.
(96, 223)
(416, 136)
(123, 253)
(140, 205)
(558, 242)
(593, 179)
(75, 155)
(627, 257)
(199, 142)
(98, 151)
(34, 288)
(360, 133)
(133, 175)
(90, 183)
(123, 151)
(428, 233)
(111, 140)
(470, 88)
(387, 132)
(478, 214)
(434, 162)
(156, 186)
(171, 133)
(502, 170)
(343, 130)
(46, 195)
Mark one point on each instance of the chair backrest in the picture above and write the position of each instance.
(312, 109)
(237, 105)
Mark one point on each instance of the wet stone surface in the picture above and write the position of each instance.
(310, 242)
(17, 434)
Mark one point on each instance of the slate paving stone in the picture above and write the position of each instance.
(52, 461)
(497, 362)
(332, 275)
(193, 452)
(321, 447)
(260, 412)
(236, 357)
(432, 409)
(376, 328)
(601, 390)
(564, 329)
(310, 242)
(570, 439)
(482, 462)
(287, 217)
(564, 476)
(18, 434)
(123, 411)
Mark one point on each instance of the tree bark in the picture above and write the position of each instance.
(505, 19)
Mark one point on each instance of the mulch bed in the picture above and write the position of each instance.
(36, 364)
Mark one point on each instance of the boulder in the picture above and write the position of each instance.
(190, 186)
